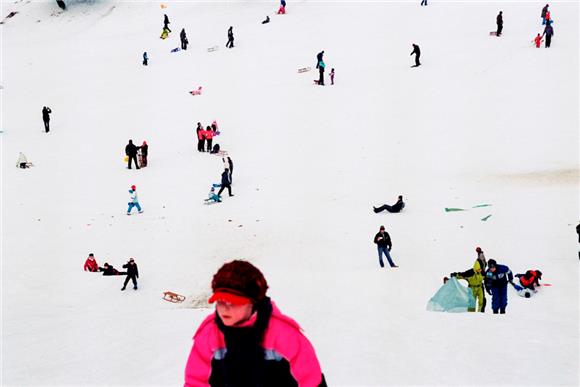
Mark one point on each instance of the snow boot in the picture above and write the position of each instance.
(123, 288)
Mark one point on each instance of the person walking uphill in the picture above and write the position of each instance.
(132, 273)
(226, 182)
(183, 38)
(133, 200)
(549, 32)
(417, 52)
(474, 278)
(166, 23)
(230, 42)
(496, 280)
(499, 22)
(131, 151)
(384, 245)
(46, 118)
(247, 341)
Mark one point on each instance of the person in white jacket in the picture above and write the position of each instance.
(133, 200)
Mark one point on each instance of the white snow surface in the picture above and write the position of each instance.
(484, 120)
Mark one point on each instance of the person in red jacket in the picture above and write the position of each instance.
(208, 135)
(538, 40)
(530, 279)
(248, 341)
(91, 264)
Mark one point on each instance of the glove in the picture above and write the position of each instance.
(453, 274)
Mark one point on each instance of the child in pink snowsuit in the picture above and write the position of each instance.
(247, 341)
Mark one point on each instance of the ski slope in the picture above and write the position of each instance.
(483, 120)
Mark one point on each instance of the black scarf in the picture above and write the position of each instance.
(244, 362)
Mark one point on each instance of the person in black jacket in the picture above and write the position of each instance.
(183, 38)
(166, 23)
(131, 151)
(384, 245)
(230, 166)
(230, 42)
(417, 52)
(319, 57)
(132, 273)
(548, 31)
(226, 182)
(144, 153)
(110, 270)
(46, 118)
(397, 207)
(499, 22)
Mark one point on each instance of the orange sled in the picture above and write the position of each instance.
(173, 297)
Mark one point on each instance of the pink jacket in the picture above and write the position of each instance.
(208, 134)
(282, 337)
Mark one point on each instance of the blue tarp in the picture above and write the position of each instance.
(451, 297)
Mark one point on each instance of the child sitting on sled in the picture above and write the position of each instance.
(212, 196)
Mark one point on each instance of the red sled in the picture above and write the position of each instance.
(196, 92)
(173, 297)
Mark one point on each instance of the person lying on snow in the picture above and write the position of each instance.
(530, 279)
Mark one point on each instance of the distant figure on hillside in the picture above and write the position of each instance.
(267, 20)
(61, 4)
(132, 273)
(282, 9)
(46, 118)
(321, 67)
(164, 33)
(538, 40)
(384, 245)
(417, 52)
(499, 22)
(544, 11)
(91, 264)
(230, 42)
(110, 270)
(332, 76)
(131, 151)
(22, 161)
(166, 23)
(548, 17)
(424, 2)
(229, 165)
(144, 153)
(145, 59)
(397, 207)
(530, 279)
(549, 32)
(200, 137)
(496, 280)
(474, 278)
(133, 200)
(319, 57)
(183, 38)
(578, 232)
(226, 183)
(481, 257)
(208, 134)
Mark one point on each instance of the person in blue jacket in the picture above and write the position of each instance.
(496, 281)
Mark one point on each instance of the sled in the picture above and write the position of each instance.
(176, 49)
(493, 33)
(485, 218)
(220, 153)
(196, 92)
(210, 201)
(213, 48)
(173, 297)
(317, 82)
(452, 209)
(303, 69)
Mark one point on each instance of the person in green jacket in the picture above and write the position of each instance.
(474, 278)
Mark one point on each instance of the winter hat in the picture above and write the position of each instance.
(134, 188)
(238, 282)
(478, 249)
(382, 228)
(491, 263)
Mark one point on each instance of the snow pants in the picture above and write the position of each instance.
(499, 29)
(479, 296)
(384, 250)
(131, 205)
(133, 158)
(384, 207)
(201, 145)
(209, 141)
(321, 78)
(499, 299)
(46, 126)
(548, 40)
(229, 187)
(130, 277)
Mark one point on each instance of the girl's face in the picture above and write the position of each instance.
(233, 315)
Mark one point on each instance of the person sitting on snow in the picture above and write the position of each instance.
(212, 196)
(110, 270)
(530, 279)
(397, 207)
(91, 264)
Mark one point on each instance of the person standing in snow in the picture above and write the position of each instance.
(132, 273)
(549, 32)
(91, 264)
(332, 76)
(319, 58)
(544, 11)
(183, 38)
(321, 67)
(499, 22)
(496, 280)
(200, 138)
(226, 182)
(417, 52)
(384, 245)
(145, 59)
(474, 278)
(166, 23)
(538, 40)
(133, 200)
(397, 207)
(229, 165)
(258, 345)
(230, 42)
(208, 134)
(144, 153)
(46, 118)
(131, 151)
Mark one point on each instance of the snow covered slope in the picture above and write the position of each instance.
(484, 120)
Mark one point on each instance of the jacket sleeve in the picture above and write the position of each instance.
(375, 238)
(136, 271)
(198, 368)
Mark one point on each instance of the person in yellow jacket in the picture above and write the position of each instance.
(474, 278)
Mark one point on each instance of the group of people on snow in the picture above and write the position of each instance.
(321, 66)
(132, 272)
(205, 137)
(137, 154)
